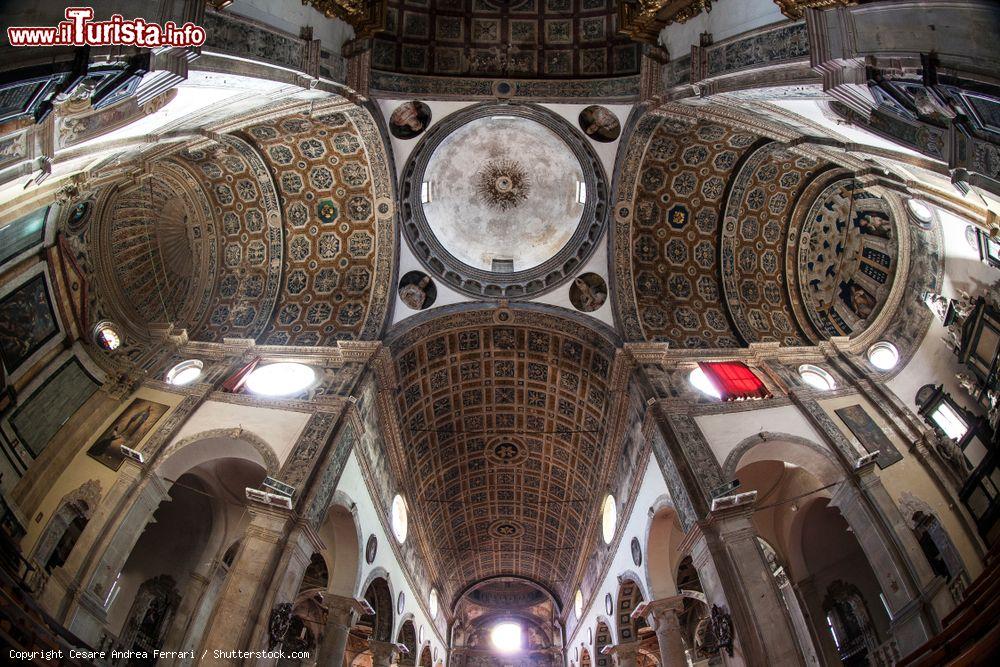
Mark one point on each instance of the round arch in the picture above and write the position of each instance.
(193, 450)
(342, 539)
(791, 449)
(630, 594)
(603, 636)
(663, 535)
(377, 590)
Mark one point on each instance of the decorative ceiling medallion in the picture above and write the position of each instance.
(506, 452)
(371, 548)
(451, 253)
(502, 184)
(505, 529)
(636, 552)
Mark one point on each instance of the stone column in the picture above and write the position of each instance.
(735, 576)
(341, 614)
(624, 655)
(894, 555)
(243, 595)
(381, 652)
(662, 616)
(798, 617)
(85, 613)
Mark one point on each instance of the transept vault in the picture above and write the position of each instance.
(503, 333)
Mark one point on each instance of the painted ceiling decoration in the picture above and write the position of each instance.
(335, 191)
(503, 416)
(282, 232)
(549, 39)
(722, 238)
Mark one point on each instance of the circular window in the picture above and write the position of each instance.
(816, 377)
(883, 355)
(609, 518)
(506, 637)
(701, 382)
(281, 379)
(107, 337)
(434, 603)
(185, 372)
(920, 210)
(399, 518)
(578, 604)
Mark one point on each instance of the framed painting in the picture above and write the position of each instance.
(22, 234)
(128, 430)
(27, 322)
(870, 435)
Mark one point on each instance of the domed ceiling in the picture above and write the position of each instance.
(503, 188)
(504, 38)
(282, 232)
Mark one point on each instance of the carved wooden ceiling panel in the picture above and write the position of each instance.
(754, 242)
(335, 196)
(669, 253)
(518, 38)
(502, 427)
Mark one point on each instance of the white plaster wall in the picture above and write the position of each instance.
(728, 18)
(934, 363)
(598, 262)
(636, 525)
(290, 15)
(352, 484)
(724, 432)
(278, 428)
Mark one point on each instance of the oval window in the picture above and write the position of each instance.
(280, 379)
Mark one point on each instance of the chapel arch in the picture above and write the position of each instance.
(662, 556)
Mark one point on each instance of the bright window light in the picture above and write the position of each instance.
(883, 355)
(701, 382)
(816, 377)
(609, 518)
(920, 210)
(185, 372)
(829, 623)
(434, 603)
(885, 603)
(950, 421)
(506, 637)
(399, 518)
(578, 604)
(281, 379)
(581, 192)
(425, 192)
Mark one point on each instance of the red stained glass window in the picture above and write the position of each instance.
(734, 380)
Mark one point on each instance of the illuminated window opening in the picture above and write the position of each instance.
(185, 372)
(280, 379)
(948, 419)
(399, 518)
(507, 637)
(883, 355)
(609, 518)
(816, 377)
(581, 192)
(700, 381)
(426, 192)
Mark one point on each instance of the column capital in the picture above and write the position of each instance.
(625, 650)
(342, 610)
(382, 652)
(660, 613)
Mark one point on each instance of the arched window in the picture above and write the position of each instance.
(66, 525)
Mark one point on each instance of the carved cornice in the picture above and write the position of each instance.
(642, 20)
(367, 17)
(796, 9)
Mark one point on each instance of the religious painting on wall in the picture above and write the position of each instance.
(870, 435)
(409, 119)
(128, 430)
(27, 322)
